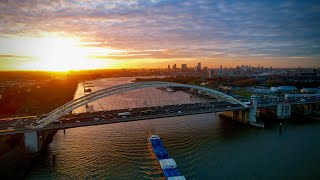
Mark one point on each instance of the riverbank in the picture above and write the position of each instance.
(32, 95)
(15, 162)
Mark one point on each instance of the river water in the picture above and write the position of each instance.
(204, 146)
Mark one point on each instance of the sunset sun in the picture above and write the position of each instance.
(57, 53)
(61, 54)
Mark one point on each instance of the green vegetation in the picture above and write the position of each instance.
(242, 92)
(275, 82)
(36, 99)
(245, 82)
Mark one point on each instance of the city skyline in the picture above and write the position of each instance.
(69, 35)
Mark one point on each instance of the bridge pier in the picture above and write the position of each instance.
(34, 141)
(283, 111)
(308, 109)
(305, 108)
(31, 141)
(240, 116)
(247, 116)
(253, 109)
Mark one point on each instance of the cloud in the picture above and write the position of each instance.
(185, 28)
(9, 56)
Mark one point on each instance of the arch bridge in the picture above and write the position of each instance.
(76, 103)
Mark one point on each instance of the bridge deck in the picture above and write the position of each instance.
(23, 124)
(89, 119)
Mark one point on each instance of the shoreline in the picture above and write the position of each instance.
(17, 163)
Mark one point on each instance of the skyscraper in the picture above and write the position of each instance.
(199, 66)
(220, 71)
(211, 74)
(183, 67)
(174, 67)
(205, 69)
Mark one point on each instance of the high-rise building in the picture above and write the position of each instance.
(169, 68)
(199, 66)
(174, 67)
(220, 71)
(205, 69)
(184, 67)
(211, 74)
(244, 68)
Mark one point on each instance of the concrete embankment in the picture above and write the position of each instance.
(15, 162)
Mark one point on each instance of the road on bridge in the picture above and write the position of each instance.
(113, 116)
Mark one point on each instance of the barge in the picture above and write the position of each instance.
(168, 165)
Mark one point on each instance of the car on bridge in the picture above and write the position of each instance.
(124, 114)
(147, 112)
(247, 103)
(10, 128)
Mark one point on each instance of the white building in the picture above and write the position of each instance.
(261, 91)
(283, 89)
(211, 74)
(310, 90)
(297, 96)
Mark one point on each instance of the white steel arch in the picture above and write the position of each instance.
(76, 103)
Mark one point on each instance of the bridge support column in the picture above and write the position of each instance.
(31, 141)
(283, 111)
(253, 109)
(309, 108)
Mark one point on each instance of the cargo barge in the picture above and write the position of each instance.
(168, 165)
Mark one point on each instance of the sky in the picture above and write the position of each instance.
(91, 34)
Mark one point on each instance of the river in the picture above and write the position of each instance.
(204, 146)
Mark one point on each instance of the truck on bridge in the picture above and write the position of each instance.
(124, 114)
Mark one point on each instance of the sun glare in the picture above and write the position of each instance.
(57, 53)
(62, 54)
